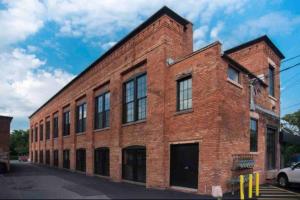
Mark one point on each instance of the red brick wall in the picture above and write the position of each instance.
(4, 133)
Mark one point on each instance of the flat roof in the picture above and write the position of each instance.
(6, 117)
(163, 11)
(264, 38)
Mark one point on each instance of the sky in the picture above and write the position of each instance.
(46, 43)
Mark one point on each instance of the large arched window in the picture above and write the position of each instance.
(101, 161)
(134, 163)
(80, 160)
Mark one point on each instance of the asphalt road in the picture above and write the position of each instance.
(28, 181)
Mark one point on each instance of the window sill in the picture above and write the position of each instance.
(234, 83)
(273, 98)
(66, 136)
(101, 129)
(134, 123)
(81, 133)
(181, 112)
(254, 152)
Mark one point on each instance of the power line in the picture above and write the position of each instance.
(285, 60)
(291, 106)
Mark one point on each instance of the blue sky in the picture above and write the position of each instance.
(45, 43)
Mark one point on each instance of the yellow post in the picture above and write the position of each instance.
(242, 195)
(250, 186)
(257, 184)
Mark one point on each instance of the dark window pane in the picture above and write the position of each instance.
(233, 74)
(253, 135)
(81, 118)
(130, 112)
(129, 91)
(142, 108)
(142, 87)
(271, 149)
(185, 94)
(271, 81)
(41, 132)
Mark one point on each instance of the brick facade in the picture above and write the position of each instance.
(218, 120)
(4, 133)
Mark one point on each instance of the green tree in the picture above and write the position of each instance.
(293, 119)
(19, 142)
(290, 149)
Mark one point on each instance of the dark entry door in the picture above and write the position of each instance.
(271, 149)
(134, 164)
(184, 165)
(101, 161)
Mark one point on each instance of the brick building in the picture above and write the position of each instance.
(4, 142)
(152, 110)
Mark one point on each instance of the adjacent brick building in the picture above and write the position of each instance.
(4, 142)
(154, 111)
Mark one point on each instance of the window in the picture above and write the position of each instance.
(41, 132)
(66, 159)
(184, 93)
(80, 160)
(101, 161)
(35, 156)
(47, 130)
(31, 130)
(66, 123)
(81, 118)
(36, 134)
(102, 108)
(41, 157)
(233, 74)
(135, 99)
(55, 158)
(55, 127)
(271, 81)
(253, 135)
(47, 157)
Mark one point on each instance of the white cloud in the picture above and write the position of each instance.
(94, 18)
(272, 24)
(200, 36)
(214, 33)
(19, 20)
(25, 84)
(107, 45)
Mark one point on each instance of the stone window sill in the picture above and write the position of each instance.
(82, 133)
(273, 98)
(234, 83)
(101, 129)
(181, 112)
(66, 136)
(134, 123)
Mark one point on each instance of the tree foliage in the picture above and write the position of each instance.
(19, 142)
(293, 119)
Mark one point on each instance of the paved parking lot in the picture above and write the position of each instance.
(270, 192)
(27, 181)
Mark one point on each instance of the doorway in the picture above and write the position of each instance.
(184, 162)
(134, 163)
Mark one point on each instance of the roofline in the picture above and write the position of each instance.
(163, 11)
(6, 117)
(196, 52)
(240, 66)
(251, 42)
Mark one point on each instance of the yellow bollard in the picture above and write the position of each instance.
(257, 184)
(250, 186)
(242, 195)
